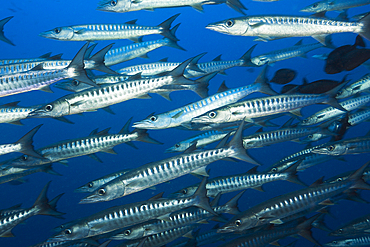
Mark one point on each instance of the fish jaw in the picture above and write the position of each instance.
(154, 122)
(107, 192)
(57, 108)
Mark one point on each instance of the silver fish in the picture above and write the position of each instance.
(128, 5)
(355, 242)
(12, 113)
(357, 226)
(154, 173)
(273, 27)
(354, 88)
(332, 5)
(92, 32)
(348, 146)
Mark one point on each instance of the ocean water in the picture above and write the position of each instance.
(33, 17)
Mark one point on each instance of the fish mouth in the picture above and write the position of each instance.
(215, 27)
(80, 190)
(144, 124)
(35, 113)
(200, 119)
(92, 199)
(225, 229)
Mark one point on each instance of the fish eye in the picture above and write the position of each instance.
(67, 231)
(229, 23)
(113, 3)
(177, 145)
(101, 192)
(153, 118)
(49, 107)
(304, 121)
(90, 185)
(238, 222)
(310, 136)
(339, 179)
(25, 157)
(340, 230)
(334, 242)
(212, 114)
(57, 30)
(331, 148)
(76, 83)
(127, 232)
(184, 191)
(315, 5)
(274, 169)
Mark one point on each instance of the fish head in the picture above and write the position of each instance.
(277, 168)
(342, 242)
(106, 192)
(233, 26)
(313, 138)
(72, 85)
(310, 120)
(340, 232)
(89, 187)
(216, 116)
(185, 192)
(179, 147)
(134, 232)
(27, 161)
(116, 5)
(56, 108)
(260, 60)
(316, 7)
(333, 149)
(344, 93)
(59, 33)
(239, 223)
(160, 121)
(72, 232)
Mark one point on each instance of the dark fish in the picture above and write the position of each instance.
(319, 86)
(288, 88)
(284, 76)
(343, 56)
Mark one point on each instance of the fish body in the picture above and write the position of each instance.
(358, 117)
(12, 113)
(110, 31)
(187, 113)
(357, 226)
(273, 27)
(130, 214)
(332, 5)
(154, 173)
(128, 5)
(41, 206)
(277, 208)
(358, 241)
(348, 146)
(331, 112)
(109, 94)
(358, 86)
(12, 174)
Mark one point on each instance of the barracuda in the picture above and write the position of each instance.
(128, 52)
(355, 242)
(355, 227)
(185, 114)
(179, 219)
(266, 106)
(130, 214)
(96, 142)
(46, 56)
(23, 145)
(332, 112)
(273, 27)
(106, 95)
(298, 50)
(94, 62)
(349, 146)
(358, 117)
(277, 208)
(92, 32)
(128, 5)
(201, 140)
(42, 206)
(12, 113)
(95, 184)
(149, 175)
(39, 78)
(354, 88)
(332, 5)
(249, 180)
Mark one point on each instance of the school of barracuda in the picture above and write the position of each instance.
(222, 117)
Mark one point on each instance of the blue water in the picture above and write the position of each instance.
(33, 17)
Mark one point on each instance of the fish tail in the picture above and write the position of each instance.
(79, 68)
(305, 229)
(203, 200)
(166, 28)
(144, 137)
(332, 101)
(232, 205)
(262, 84)
(47, 207)
(26, 143)
(236, 5)
(202, 85)
(2, 36)
(246, 58)
(365, 30)
(237, 144)
(356, 177)
(292, 174)
(99, 58)
(173, 42)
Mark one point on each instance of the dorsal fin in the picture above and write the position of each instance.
(259, 130)
(218, 58)
(252, 170)
(299, 43)
(124, 129)
(192, 148)
(93, 132)
(319, 14)
(317, 182)
(163, 60)
(15, 103)
(156, 197)
(103, 132)
(222, 88)
(131, 22)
